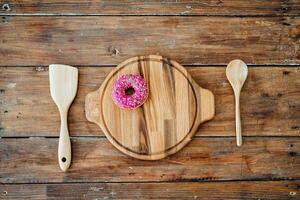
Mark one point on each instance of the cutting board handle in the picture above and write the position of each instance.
(207, 105)
(92, 106)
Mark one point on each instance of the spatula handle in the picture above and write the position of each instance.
(64, 144)
(238, 128)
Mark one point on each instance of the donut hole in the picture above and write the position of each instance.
(129, 91)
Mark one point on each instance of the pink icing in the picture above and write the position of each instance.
(129, 101)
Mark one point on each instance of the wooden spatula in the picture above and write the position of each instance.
(63, 88)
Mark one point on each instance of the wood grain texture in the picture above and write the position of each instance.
(153, 7)
(94, 40)
(34, 160)
(102, 33)
(270, 102)
(168, 119)
(205, 190)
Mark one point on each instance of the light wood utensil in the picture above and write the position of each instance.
(236, 73)
(63, 88)
(168, 119)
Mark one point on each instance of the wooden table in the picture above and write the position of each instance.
(203, 36)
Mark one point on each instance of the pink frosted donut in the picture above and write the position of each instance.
(129, 91)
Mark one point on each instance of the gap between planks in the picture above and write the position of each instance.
(143, 15)
(153, 8)
(169, 182)
(293, 65)
(104, 137)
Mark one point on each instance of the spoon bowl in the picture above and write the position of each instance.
(237, 72)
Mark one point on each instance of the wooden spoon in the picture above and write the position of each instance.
(63, 88)
(236, 73)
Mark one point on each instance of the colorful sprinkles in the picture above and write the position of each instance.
(138, 88)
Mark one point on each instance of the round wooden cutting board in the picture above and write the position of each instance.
(168, 119)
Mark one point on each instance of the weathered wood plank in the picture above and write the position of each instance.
(96, 40)
(34, 160)
(154, 7)
(270, 102)
(205, 190)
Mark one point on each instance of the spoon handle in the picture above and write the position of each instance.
(238, 128)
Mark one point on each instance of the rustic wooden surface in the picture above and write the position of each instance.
(203, 36)
(270, 102)
(174, 108)
(34, 160)
(154, 7)
(109, 40)
(178, 190)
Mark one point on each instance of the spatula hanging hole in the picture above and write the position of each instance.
(129, 91)
(63, 159)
